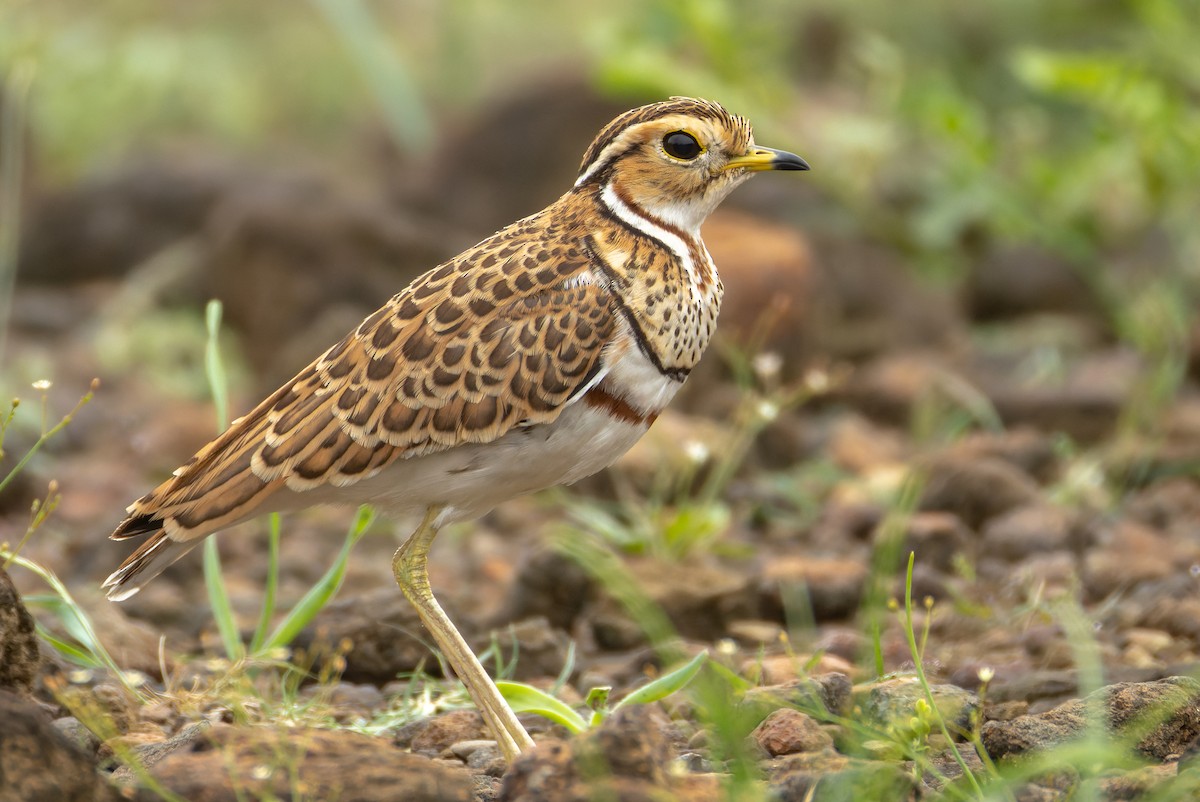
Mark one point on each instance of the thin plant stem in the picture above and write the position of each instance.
(911, 636)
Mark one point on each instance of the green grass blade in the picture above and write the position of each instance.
(70, 617)
(218, 600)
(665, 685)
(214, 368)
(524, 698)
(268, 605)
(319, 594)
(78, 655)
(386, 75)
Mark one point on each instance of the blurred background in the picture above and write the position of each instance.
(999, 235)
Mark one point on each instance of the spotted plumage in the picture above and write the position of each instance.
(536, 357)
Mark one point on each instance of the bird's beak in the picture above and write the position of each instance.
(767, 159)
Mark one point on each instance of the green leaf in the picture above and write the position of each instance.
(524, 698)
(597, 698)
(665, 685)
(71, 652)
(737, 683)
(319, 594)
(69, 616)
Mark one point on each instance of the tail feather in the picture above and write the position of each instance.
(150, 560)
(135, 526)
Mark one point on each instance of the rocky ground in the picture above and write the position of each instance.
(998, 430)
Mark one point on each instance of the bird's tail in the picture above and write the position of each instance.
(150, 559)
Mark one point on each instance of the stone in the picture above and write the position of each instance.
(860, 446)
(78, 734)
(19, 657)
(1174, 703)
(1132, 554)
(787, 731)
(700, 598)
(1014, 280)
(834, 585)
(1167, 503)
(551, 585)
(39, 763)
(889, 703)
(1026, 531)
(540, 649)
(1025, 448)
(830, 776)
(237, 763)
(349, 700)
(449, 728)
(627, 757)
(976, 490)
(937, 538)
(829, 692)
(384, 632)
(783, 668)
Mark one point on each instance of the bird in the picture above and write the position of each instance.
(532, 359)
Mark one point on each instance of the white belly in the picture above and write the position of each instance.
(470, 480)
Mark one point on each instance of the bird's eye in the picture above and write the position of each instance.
(681, 145)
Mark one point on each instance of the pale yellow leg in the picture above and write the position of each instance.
(409, 566)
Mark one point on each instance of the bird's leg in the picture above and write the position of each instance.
(409, 566)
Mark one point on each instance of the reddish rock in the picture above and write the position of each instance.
(447, 729)
(787, 731)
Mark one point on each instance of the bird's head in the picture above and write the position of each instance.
(678, 159)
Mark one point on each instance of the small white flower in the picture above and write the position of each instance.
(816, 380)
(986, 674)
(767, 365)
(42, 385)
(696, 452)
(767, 410)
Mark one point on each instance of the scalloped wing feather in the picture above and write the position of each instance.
(504, 335)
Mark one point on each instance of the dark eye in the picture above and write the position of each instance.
(682, 145)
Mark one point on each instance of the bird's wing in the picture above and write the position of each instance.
(494, 339)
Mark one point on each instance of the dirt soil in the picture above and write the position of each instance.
(1050, 534)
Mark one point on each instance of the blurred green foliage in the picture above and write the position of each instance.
(943, 128)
